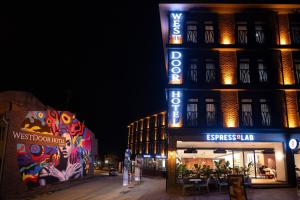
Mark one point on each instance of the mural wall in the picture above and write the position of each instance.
(42, 161)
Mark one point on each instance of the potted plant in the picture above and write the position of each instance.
(181, 171)
(218, 169)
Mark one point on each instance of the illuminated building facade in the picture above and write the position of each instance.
(147, 139)
(233, 92)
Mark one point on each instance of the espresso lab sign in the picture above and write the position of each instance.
(38, 138)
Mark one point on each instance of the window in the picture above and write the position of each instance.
(192, 113)
(246, 112)
(297, 70)
(265, 113)
(262, 71)
(259, 32)
(192, 33)
(242, 32)
(193, 73)
(209, 32)
(295, 32)
(244, 71)
(211, 109)
(210, 71)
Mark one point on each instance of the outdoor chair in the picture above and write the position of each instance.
(222, 182)
(203, 184)
(187, 186)
(247, 181)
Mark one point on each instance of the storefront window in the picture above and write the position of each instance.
(261, 161)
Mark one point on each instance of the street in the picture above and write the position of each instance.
(105, 187)
(110, 188)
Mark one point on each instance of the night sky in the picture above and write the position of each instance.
(105, 67)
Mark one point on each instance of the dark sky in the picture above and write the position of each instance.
(105, 67)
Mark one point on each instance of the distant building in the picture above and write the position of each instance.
(147, 138)
(40, 146)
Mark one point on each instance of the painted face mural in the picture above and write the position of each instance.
(66, 149)
(40, 163)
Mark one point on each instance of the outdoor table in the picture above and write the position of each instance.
(196, 180)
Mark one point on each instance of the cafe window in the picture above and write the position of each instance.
(295, 28)
(209, 32)
(242, 32)
(192, 113)
(259, 32)
(246, 109)
(262, 71)
(192, 35)
(210, 71)
(265, 113)
(297, 69)
(211, 111)
(262, 161)
(244, 70)
(193, 73)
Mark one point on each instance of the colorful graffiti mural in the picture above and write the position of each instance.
(41, 164)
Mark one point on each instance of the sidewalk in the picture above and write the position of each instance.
(110, 188)
(154, 189)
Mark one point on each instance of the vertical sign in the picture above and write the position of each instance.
(176, 19)
(175, 108)
(175, 67)
(138, 167)
(126, 166)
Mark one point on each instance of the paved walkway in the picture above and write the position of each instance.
(110, 188)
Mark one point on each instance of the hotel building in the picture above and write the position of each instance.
(233, 73)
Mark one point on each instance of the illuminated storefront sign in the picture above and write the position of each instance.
(293, 144)
(147, 156)
(160, 156)
(175, 107)
(175, 67)
(176, 19)
(229, 137)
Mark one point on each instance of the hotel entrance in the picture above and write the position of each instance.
(262, 162)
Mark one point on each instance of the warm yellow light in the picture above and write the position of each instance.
(283, 41)
(163, 119)
(287, 64)
(226, 41)
(176, 39)
(227, 80)
(179, 81)
(228, 67)
(178, 125)
(283, 22)
(230, 123)
(292, 114)
(171, 154)
(229, 108)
